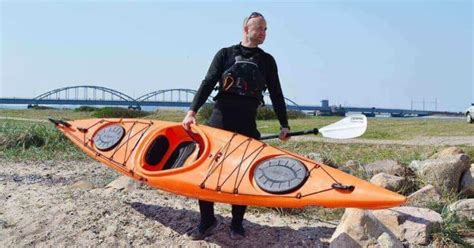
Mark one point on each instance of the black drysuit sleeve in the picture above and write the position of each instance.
(276, 94)
(212, 77)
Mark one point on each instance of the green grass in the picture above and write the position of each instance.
(363, 153)
(162, 114)
(20, 140)
(45, 113)
(411, 128)
(378, 128)
(115, 112)
(168, 115)
(452, 231)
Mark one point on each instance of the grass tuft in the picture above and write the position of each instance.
(35, 141)
(452, 231)
(86, 109)
(113, 112)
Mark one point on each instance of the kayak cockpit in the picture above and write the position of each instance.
(172, 148)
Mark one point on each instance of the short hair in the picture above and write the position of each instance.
(252, 15)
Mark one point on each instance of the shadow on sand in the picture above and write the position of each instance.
(182, 221)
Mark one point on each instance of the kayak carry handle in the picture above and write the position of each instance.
(343, 187)
(290, 134)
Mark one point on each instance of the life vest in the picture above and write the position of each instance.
(243, 78)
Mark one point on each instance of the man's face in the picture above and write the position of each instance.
(256, 30)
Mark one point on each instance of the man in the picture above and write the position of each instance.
(244, 71)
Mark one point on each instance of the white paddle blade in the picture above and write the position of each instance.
(349, 127)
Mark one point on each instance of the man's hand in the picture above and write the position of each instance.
(189, 119)
(284, 134)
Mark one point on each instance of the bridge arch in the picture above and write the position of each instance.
(73, 92)
(180, 91)
(183, 95)
(171, 93)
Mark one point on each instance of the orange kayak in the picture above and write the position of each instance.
(220, 166)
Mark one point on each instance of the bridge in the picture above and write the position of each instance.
(100, 96)
(89, 95)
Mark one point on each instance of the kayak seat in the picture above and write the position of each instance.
(180, 155)
(157, 150)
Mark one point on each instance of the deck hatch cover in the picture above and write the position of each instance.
(280, 175)
(108, 137)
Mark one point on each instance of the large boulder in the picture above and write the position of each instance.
(360, 228)
(467, 182)
(391, 167)
(464, 209)
(423, 197)
(450, 151)
(386, 228)
(443, 173)
(390, 182)
(410, 224)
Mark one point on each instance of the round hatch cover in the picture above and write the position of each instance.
(280, 175)
(108, 137)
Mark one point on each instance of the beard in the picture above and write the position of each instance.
(256, 40)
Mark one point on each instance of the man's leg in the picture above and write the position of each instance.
(236, 228)
(207, 213)
(238, 212)
(208, 221)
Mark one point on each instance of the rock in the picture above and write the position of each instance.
(360, 228)
(387, 240)
(386, 228)
(450, 151)
(415, 165)
(464, 209)
(467, 182)
(343, 240)
(443, 173)
(423, 196)
(82, 185)
(410, 224)
(122, 183)
(390, 182)
(387, 166)
(470, 241)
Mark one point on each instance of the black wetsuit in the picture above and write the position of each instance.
(237, 113)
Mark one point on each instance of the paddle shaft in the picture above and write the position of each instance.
(273, 136)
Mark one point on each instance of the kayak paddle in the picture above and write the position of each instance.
(347, 128)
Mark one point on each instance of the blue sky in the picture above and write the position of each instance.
(355, 53)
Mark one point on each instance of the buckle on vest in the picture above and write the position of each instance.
(228, 82)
